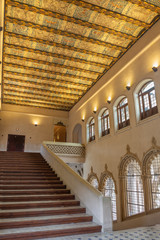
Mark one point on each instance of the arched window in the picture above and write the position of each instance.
(147, 100)
(132, 186)
(91, 127)
(123, 113)
(151, 167)
(105, 124)
(93, 179)
(134, 189)
(155, 181)
(108, 188)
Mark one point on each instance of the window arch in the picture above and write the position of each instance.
(108, 188)
(132, 186)
(151, 166)
(91, 130)
(93, 179)
(147, 100)
(123, 113)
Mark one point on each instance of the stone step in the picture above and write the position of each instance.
(61, 203)
(31, 192)
(33, 182)
(41, 212)
(49, 231)
(37, 197)
(21, 187)
(43, 221)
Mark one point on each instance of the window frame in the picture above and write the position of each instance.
(122, 124)
(91, 130)
(151, 111)
(123, 184)
(104, 131)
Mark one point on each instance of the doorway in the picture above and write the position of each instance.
(15, 143)
(59, 132)
(77, 134)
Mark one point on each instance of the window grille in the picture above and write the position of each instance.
(147, 100)
(109, 191)
(94, 182)
(123, 113)
(134, 189)
(155, 181)
(91, 130)
(105, 123)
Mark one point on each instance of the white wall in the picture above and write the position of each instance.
(133, 67)
(20, 121)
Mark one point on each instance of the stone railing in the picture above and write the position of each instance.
(96, 204)
(68, 152)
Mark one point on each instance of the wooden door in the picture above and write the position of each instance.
(59, 133)
(15, 143)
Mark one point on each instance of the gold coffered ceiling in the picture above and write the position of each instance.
(55, 50)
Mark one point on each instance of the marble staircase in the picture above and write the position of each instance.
(34, 202)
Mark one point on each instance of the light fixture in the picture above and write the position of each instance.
(109, 100)
(35, 124)
(154, 68)
(82, 119)
(95, 110)
(128, 87)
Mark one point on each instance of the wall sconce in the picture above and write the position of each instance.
(109, 100)
(82, 119)
(154, 68)
(95, 110)
(128, 87)
(35, 124)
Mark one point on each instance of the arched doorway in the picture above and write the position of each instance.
(77, 134)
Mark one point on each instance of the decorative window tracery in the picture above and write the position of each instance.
(105, 123)
(151, 170)
(93, 179)
(123, 113)
(108, 188)
(147, 100)
(132, 185)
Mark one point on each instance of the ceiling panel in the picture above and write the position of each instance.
(55, 51)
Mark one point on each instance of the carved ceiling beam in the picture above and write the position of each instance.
(9, 101)
(68, 19)
(19, 98)
(63, 33)
(49, 63)
(39, 91)
(59, 45)
(40, 85)
(146, 5)
(96, 8)
(39, 97)
(83, 84)
(55, 55)
(15, 66)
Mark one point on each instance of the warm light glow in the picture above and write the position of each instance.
(95, 109)
(35, 123)
(155, 64)
(109, 98)
(83, 118)
(128, 84)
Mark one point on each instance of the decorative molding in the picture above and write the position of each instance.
(66, 149)
(127, 158)
(92, 175)
(104, 176)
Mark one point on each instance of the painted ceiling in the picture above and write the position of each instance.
(56, 50)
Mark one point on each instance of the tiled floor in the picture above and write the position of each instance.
(145, 233)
